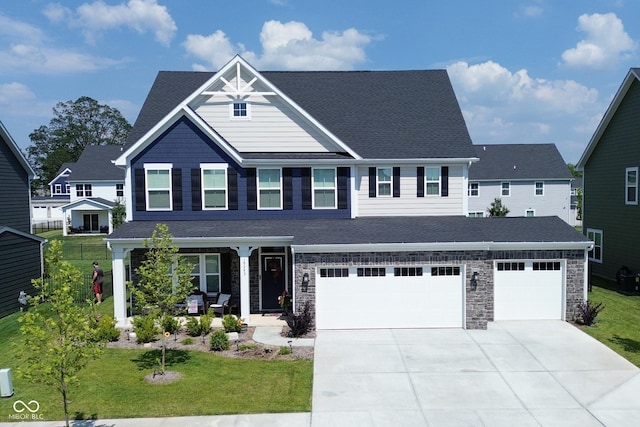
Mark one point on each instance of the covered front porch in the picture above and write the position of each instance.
(88, 216)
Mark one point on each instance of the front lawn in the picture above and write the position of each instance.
(618, 324)
(113, 386)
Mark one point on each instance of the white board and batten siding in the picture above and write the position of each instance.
(529, 290)
(355, 302)
(409, 204)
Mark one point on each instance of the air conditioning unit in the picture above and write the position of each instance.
(6, 386)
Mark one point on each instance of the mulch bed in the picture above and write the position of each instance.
(244, 348)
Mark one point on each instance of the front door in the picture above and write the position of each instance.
(273, 280)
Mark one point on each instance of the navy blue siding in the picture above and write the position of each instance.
(185, 146)
(21, 259)
(14, 209)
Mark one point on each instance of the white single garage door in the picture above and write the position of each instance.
(388, 297)
(528, 290)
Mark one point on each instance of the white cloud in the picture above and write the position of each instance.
(606, 43)
(10, 92)
(139, 15)
(503, 106)
(286, 46)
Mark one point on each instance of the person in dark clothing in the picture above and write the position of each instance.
(96, 280)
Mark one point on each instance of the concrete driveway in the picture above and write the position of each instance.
(521, 373)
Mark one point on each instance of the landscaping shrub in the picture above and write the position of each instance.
(300, 323)
(105, 329)
(196, 327)
(170, 324)
(145, 329)
(219, 341)
(231, 323)
(187, 341)
(587, 312)
(284, 350)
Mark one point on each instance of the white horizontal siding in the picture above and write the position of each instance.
(273, 126)
(409, 204)
(105, 191)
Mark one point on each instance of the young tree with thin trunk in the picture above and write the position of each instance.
(164, 280)
(497, 208)
(58, 332)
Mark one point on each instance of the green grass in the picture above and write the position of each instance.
(113, 385)
(618, 324)
(81, 251)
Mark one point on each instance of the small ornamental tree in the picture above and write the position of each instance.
(118, 213)
(497, 208)
(59, 338)
(164, 280)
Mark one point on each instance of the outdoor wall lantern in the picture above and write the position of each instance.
(474, 281)
(305, 281)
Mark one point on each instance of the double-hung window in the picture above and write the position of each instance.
(474, 189)
(595, 236)
(505, 189)
(631, 186)
(205, 275)
(385, 182)
(83, 190)
(57, 189)
(158, 182)
(539, 188)
(432, 175)
(214, 186)
(119, 190)
(269, 189)
(324, 189)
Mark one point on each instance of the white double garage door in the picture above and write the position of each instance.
(433, 296)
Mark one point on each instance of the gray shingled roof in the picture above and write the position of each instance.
(518, 161)
(379, 114)
(370, 230)
(94, 164)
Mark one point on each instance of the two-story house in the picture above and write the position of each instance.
(347, 189)
(47, 209)
(20, 251)
(529, 179)
(611, 164)
(96, 184)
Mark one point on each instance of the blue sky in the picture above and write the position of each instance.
(523, 71)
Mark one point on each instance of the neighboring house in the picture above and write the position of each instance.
(96, 186)
(575, 219)
(20, 251)
(47, 210)
(611, 165)
(347, 189)
(530, 179)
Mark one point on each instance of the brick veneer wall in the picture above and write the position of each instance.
(479, 302)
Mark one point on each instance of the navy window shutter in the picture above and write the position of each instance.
(225, 273)
(232, 189)
(287, 188)
(252, 190)
(396, 182)
(444, 181)
(343, 188)
(420, 181)
(176, 188)
(196, 197)
(141, 202)
(372, 182)
(306, 189)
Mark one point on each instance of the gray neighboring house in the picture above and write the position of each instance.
(346, 189)
(20, 251)
(530, 179)
(611, 165)
(95, 186)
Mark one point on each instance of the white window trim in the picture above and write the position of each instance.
(313, 189)
(390, 182)
(426, 181)
(57, 188)
(508, 189)
(214, 166)
(627, 186)
(535, 188)
(122, 190)
(202, 261)
(244, 101)
(469, 194)
(476, 214)
(595, 231)
(158, 166)
(529, 210)
(279, 189)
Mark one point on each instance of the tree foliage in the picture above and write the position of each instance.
(58, 333)
(164, 279)
(75, 125)
(118, 213)
(574, 172)
(497, 208)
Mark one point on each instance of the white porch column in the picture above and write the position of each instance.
(119, 286)
(245, 303)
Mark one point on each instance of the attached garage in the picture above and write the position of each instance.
(389, 297)
(528, 290)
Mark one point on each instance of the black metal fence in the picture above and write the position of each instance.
(86, 251)
(84, 292)
(43, 226)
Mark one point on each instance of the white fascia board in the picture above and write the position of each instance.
(199, 242)
(296, 162)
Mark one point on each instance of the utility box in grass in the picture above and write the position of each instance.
(6, 385)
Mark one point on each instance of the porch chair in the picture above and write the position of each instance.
(199, 301)
(221, 304)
